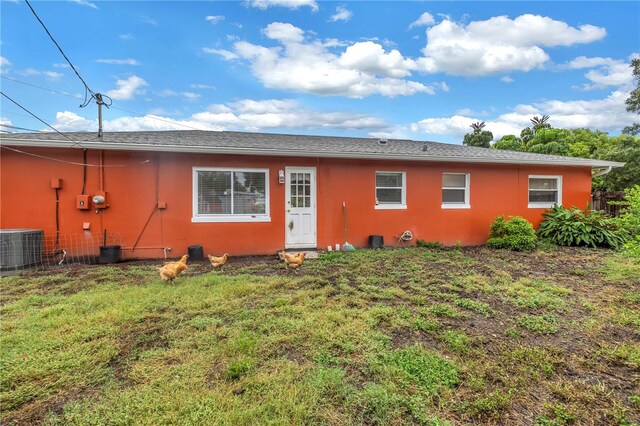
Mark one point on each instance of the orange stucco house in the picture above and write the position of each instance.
(252, 193)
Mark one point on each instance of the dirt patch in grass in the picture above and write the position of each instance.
(148, 333)
(36, 412)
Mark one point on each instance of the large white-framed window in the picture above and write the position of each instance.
(230, 195)
(544, 191)
(455, 190)
(391, 190)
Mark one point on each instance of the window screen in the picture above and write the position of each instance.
(455, 187)
(223, 192)
(390, 187)
(543, 190)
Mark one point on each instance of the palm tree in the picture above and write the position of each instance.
(540, 122)
(477, 127)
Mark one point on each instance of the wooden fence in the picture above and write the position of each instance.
(600, 200)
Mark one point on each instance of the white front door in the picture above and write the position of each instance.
(300, 207)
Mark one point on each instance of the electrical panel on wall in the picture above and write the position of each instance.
(83, 202)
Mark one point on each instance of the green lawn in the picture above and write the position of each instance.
(407, 336)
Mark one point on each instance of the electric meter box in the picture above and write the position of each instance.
(100, 200)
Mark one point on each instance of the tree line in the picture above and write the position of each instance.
(540, 137)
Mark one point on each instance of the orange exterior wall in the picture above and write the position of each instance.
(27, 200)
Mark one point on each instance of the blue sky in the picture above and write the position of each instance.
(419, 70)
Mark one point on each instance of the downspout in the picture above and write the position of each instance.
(602, 172)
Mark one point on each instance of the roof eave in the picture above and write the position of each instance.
(39, 143)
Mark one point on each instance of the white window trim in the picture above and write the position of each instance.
(545, 205)
(467, 191)
(391, 206)
(206, 218)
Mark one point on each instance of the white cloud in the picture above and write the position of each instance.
(202, 86)
(361, 70)
(506, 79)
(127, 36)
(613, 75)
(51, 75)
(465, 111)
(84, 3)
(585, 62)
(608, 114)
(245, 115)
(127, 89)
(424, 20)
(342, 14)
(226, 54)
(163, 112)
(148, 20)
(61, 65)
(371, 57)
(29, 72)
(5, 122)
(496, 45)
(610, 72)
(4, 65)
(127, 61)
(190, 96)
(214, 19)
(290, 4)
(166, 93)
(499, 44)
(284, 32)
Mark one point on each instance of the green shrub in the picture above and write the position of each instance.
(630, 220)
(576, 227)
(429, 244)
(515, 233)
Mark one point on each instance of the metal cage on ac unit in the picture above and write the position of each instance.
(20, 248)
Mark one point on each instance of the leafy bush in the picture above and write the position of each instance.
(515, 233)
(509, 143)
(429, 244)
(630, 220)
(576, 227)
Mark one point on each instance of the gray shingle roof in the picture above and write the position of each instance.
(293, 145)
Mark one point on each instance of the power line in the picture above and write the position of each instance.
(113, 107)
(9, 126)
(68, 162)
(100, 98)
(6, 111)
(41, 120)
(86, 86)
(41, 87)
